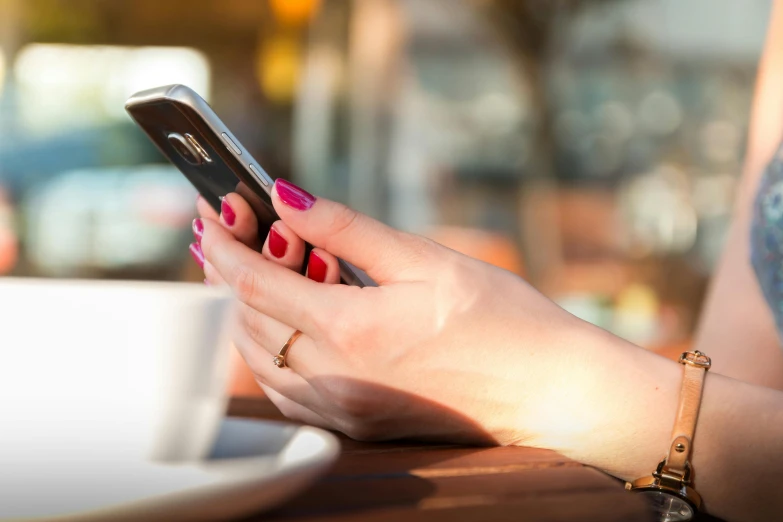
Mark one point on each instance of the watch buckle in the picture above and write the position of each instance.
(672, 478)
(696, 358)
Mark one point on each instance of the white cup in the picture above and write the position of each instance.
(109, 372)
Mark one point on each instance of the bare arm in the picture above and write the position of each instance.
(737, 329)
(462, 351)
(450, 348)
(737, 450)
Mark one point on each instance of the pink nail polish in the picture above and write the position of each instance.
(277, 244)
(197, 253)
(316, 268)
(227, 212)
(293, 196)
(198, 230)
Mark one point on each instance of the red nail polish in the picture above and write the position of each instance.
(316, 268)
(293, 196)
(197, 253)
(227, 212)
(198, 230)
(277, 243)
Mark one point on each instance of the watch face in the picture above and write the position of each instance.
(668, 507)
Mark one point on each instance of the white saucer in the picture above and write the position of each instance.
(254, 465)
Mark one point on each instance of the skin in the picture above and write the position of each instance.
(450, 348)
(737, 329)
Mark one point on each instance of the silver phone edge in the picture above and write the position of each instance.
(183, 94)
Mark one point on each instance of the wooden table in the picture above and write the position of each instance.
(409, 482)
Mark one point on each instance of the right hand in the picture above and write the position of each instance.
(446, 347)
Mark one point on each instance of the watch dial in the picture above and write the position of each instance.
(669, 508)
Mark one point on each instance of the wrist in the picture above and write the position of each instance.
(615, 405)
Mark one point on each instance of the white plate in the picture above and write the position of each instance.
(254, 465)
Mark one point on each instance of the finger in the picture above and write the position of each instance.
(237, 216)
(284, 380)
(270, 335)
(379, 250)
(284, 247)
(205, 210)
(214, 278)
(197, 254)
(267, 287)
(293, 410)
(322, 267)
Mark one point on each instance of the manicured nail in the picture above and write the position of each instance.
(316, 268)
(197, 253)
(293, 196)
(198, 230)
(227, 212)
(277, 243)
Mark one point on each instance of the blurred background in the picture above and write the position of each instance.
(593, 147)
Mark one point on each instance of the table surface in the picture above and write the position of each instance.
(416, 481)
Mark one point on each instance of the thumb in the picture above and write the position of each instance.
(381, 251)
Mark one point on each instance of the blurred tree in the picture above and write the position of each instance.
(532, 30)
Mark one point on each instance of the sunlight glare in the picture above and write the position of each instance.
(62, 86)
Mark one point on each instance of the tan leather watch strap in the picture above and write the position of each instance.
(696, 365)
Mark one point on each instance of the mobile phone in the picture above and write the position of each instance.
(188, 132)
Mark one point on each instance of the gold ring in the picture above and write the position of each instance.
(279, 359)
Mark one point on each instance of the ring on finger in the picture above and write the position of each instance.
(280, 359)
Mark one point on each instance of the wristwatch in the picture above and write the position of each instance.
(669, 487)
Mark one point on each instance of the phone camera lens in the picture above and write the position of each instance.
(195, 145)
(185, 149)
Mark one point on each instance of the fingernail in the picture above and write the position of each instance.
(197, 253)
(198, 230)
(227, 212)
(293, 196)
(277, 243)
(206, 282)
(316, 268)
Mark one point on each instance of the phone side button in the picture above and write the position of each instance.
(231, 145)
(258, 175)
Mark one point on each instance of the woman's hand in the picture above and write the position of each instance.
(445, 347)
(450, 348)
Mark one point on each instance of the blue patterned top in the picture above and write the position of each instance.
(767, 237)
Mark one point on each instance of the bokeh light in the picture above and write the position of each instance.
(2, 71)
(277, 68)
(78, 85)
(294, 12)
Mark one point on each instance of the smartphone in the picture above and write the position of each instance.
(188, 132)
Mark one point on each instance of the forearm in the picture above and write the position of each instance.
(738, 450)
(628, 411)
(737, 329)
